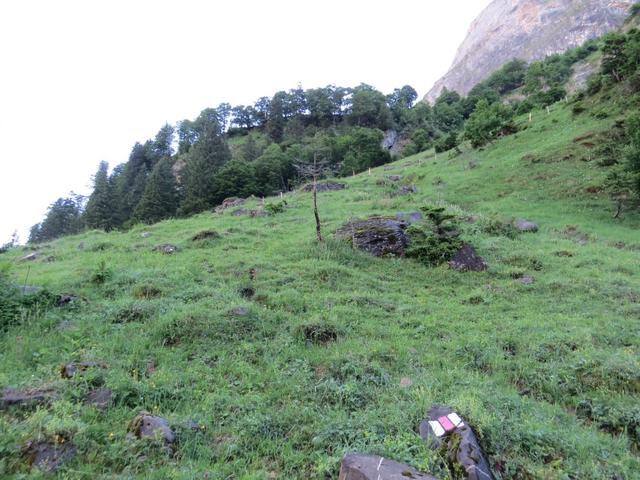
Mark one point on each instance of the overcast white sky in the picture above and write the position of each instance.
(82, 80)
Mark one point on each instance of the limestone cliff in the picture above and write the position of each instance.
(528, 30)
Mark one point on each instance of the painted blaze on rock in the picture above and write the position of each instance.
(444, 428)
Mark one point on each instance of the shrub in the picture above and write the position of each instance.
(436, 240)
(101, 274)
(444, 144)
(498, 228)
(275, 208)
(14, 305)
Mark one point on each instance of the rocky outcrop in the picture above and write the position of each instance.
(529, 30)
(380, 236)
(372, 467)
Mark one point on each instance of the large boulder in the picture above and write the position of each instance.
(372, 467)
(523, 225)
(48, 456)
(145, 425)
(72, 369)
(26, 398)
(100, 398)
(443, 427)
(380, 236)
(166, 248)
(467, 260)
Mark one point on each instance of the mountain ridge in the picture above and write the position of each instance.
(528, 30)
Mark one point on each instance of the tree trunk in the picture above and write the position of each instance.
(315, 200)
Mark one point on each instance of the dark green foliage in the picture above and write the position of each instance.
(160, 197)
(623, 180)
(234, 179)
(204, 160)
(448, 111)
(276, 121)
(369, 108)
(447, 142)
(63, 218)
(436, 240)
(15, 306)
(271, 171)
(101, 206)
(101, 274)
(488, 122)
(275, 208)
(362, 150)
(497, 227)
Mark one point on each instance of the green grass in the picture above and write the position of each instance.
(548, 374)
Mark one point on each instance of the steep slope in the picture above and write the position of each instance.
(528, 30)
(215, 337)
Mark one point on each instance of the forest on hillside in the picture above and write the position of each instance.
(262, 149)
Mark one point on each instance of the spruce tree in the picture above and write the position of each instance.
(101, 205)
(204, 159)
(160, 198)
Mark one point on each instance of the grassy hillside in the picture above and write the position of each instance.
(548, 374)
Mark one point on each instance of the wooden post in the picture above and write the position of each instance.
(548, 110)
(369, 171)
(530, 117)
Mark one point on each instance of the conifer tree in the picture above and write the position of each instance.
(205, 158)
(101, 205)
(160, 197)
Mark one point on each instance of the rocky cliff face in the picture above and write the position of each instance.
(528, 30)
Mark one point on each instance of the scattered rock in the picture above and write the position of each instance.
(409, 217)
(49, 259)
(247, 292)
(467, 260)
(380, 236)
(317, 334)
(527, 280)
(324, 187)
(81, 246)
(30, 258)
(26, 398)
(193, 426)
(229, 203)
(145, 425)
(48, 456)
(152, 367)
(240, 311)
(525, 225)
(65, 326)
(99, 398)
(249, 213)
(167, 249)
(66, 299)
(146, 292)
(72, 369)
(443, 427)
(205, 235)
(405, 382)
(26, 290)
(356, 466)
(407, 190)
(145, 234)
(394, 178)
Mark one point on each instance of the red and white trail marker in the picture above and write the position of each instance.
(445, 424)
